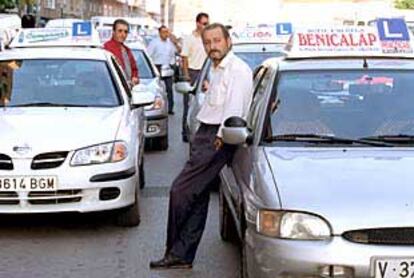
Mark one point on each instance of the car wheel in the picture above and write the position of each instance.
(162, 143)
(141, 174)
(130, 216)
(228, 231)
(243, 259)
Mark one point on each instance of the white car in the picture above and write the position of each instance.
(71, 132)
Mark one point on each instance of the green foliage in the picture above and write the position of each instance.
(7, 4)
(404, 4)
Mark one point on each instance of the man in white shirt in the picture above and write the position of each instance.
(162, 51)
(193, 55)
(229, 94)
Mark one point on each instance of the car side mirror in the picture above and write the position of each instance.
(141, 96)
(236, 132)
(183, 87)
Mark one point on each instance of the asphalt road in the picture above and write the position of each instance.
(73, 245)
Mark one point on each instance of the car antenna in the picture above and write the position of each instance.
(365, 65)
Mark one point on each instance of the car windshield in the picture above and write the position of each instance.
(255, 54)
(143, 64)
(54, 82)
(348, 104)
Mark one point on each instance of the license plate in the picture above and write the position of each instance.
(28, 183)
(394, 267)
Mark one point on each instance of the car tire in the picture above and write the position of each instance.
(130, 216)
(228, 231)
(243, 259)
(162, 143)
(141, 175)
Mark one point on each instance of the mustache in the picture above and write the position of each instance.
(212, 51)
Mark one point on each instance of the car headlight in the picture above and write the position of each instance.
(158, 104)
(103, 153)
(292, 225)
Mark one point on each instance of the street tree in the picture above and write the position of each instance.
(404, 4)
(6, 4)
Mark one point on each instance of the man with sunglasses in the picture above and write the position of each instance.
(193, 55)
(122, 53)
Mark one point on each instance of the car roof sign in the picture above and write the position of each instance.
(278, 33)
(390, 37)
(82, 34)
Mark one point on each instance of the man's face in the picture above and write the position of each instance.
(216, 45)
(120, 33)
(203, 22)
(164, 33)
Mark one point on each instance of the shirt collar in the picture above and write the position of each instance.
(223, 64)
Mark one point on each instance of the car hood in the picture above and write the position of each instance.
(56, 128)
(356, 188)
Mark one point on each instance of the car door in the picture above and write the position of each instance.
(136, 116)
(197, 99)
(238, 177)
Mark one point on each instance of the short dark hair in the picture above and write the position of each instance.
(120, 21)
(200, 16)
(212, 26)
(162, 27)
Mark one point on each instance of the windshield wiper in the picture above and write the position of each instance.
(391, 138)
(320, 138)
(47, 104)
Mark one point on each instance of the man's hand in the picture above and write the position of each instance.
(218, 143)
(134, 81)
(204, 86)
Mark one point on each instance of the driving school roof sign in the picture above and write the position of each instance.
(389, 38)
(81, 34)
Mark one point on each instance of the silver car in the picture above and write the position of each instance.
(71, 133)
(156, 130)
(323, 188)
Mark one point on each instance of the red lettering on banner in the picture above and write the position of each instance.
(310, 38)
(320, 39)
(372, 38)
(362, 40)
(302, 40)
(334, 39)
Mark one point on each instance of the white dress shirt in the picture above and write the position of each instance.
(229, 93)
(193, 49)
(162, 52)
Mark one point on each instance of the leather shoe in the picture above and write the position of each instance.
(171, 112)
(171, 262)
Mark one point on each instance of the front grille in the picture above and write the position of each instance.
(48, 160)
(6, 162)
(54, 197)
(385, 236)
(9, 198)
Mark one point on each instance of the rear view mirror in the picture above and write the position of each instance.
(140, 99)
(183, 87)
(235, 131)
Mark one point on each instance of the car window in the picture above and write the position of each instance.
(143, 64)
(262, 81)
(58, 81)
(254, 59)
(121, 75)
(350, 104)
(204, 76)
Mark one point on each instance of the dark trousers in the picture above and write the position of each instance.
(168, 81)
(186, 98)
(169, 86)
(190, 193)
